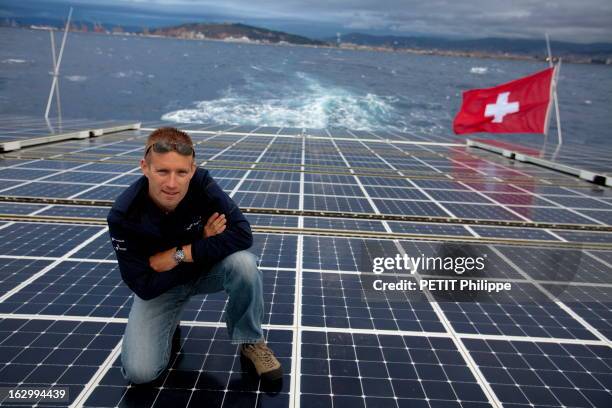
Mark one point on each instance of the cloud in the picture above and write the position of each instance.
(569, 20)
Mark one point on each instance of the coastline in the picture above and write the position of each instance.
(572, 59)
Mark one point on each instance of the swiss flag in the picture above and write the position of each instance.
(520, 106)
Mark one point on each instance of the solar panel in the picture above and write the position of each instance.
(63, 305)
(560, 265)
(30, 239)
(206, 371)
(540, 374)
(383, 370)
(67, 354)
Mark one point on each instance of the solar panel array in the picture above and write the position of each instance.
(322, 203)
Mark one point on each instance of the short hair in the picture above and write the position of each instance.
(168, 135)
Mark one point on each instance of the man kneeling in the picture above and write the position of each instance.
(177, 234)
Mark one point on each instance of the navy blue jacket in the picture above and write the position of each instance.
(139, 229)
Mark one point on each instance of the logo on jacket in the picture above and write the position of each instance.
(195, 224)
(118, 244)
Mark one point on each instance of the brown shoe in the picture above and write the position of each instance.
(262, 358)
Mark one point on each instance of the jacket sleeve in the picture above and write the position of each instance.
(134, 264)
(237, 235)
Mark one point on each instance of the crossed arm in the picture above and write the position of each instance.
(164, 261)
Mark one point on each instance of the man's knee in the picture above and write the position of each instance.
(140, 371)
(243, 266)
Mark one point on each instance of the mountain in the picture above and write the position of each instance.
(225, 31)
(534, 48)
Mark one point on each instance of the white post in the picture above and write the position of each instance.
(550, 61)
(59, 61)
(550, 64)
(57, 95)
(556, 99)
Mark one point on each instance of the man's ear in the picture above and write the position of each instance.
(144, 167)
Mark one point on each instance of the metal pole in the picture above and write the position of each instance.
(57, 66)
(550, 64)
(57, 95)
(550, 61)
(556, 99)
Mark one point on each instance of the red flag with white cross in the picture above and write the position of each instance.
(520, 106)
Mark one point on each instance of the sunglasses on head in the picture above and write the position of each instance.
(165, 147)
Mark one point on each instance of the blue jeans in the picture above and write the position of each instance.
(147, 341)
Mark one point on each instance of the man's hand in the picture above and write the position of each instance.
(215, 225)
(163, 261)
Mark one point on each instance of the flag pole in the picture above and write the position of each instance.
(556, 99)
(550, 64)
(56, 67)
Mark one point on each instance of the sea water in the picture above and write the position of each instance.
(148, 79)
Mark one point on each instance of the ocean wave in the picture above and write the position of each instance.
(127, 74)
(479, 70)
(76, 78)
(309, 104)
(14, 61)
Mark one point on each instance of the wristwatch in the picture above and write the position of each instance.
(179, 255)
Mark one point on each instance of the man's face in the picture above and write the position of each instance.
(169, 175)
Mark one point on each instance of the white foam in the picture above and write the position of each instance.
(127, 74)
(309, 104)
(479, 70)
(14, 61)
(76, 78)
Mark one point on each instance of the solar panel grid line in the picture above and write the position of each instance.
(553, 299)
(443, 208)
(56, 173)
(594, 244)
(555, 204)
(476, 372)
(554, 234)
(29, 257)
(569, 375)
(222, 151)
(67, 366)
(123, 320)
(167, 373)
(462, 164)
(296, 356)
(52, 265)
(551, 340)
(363, 392)
(63, 318)
(471, 231)
(398, 332)
(12, 166)
(126, 152)
(408, 274)
(586, 195)
(80, 399)
(246, 173)
(523, 173)
(575, 284)
(496, 202)
(368, 198)
(592, 255)
(327, 342)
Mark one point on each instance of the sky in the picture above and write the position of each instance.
(564, 20)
